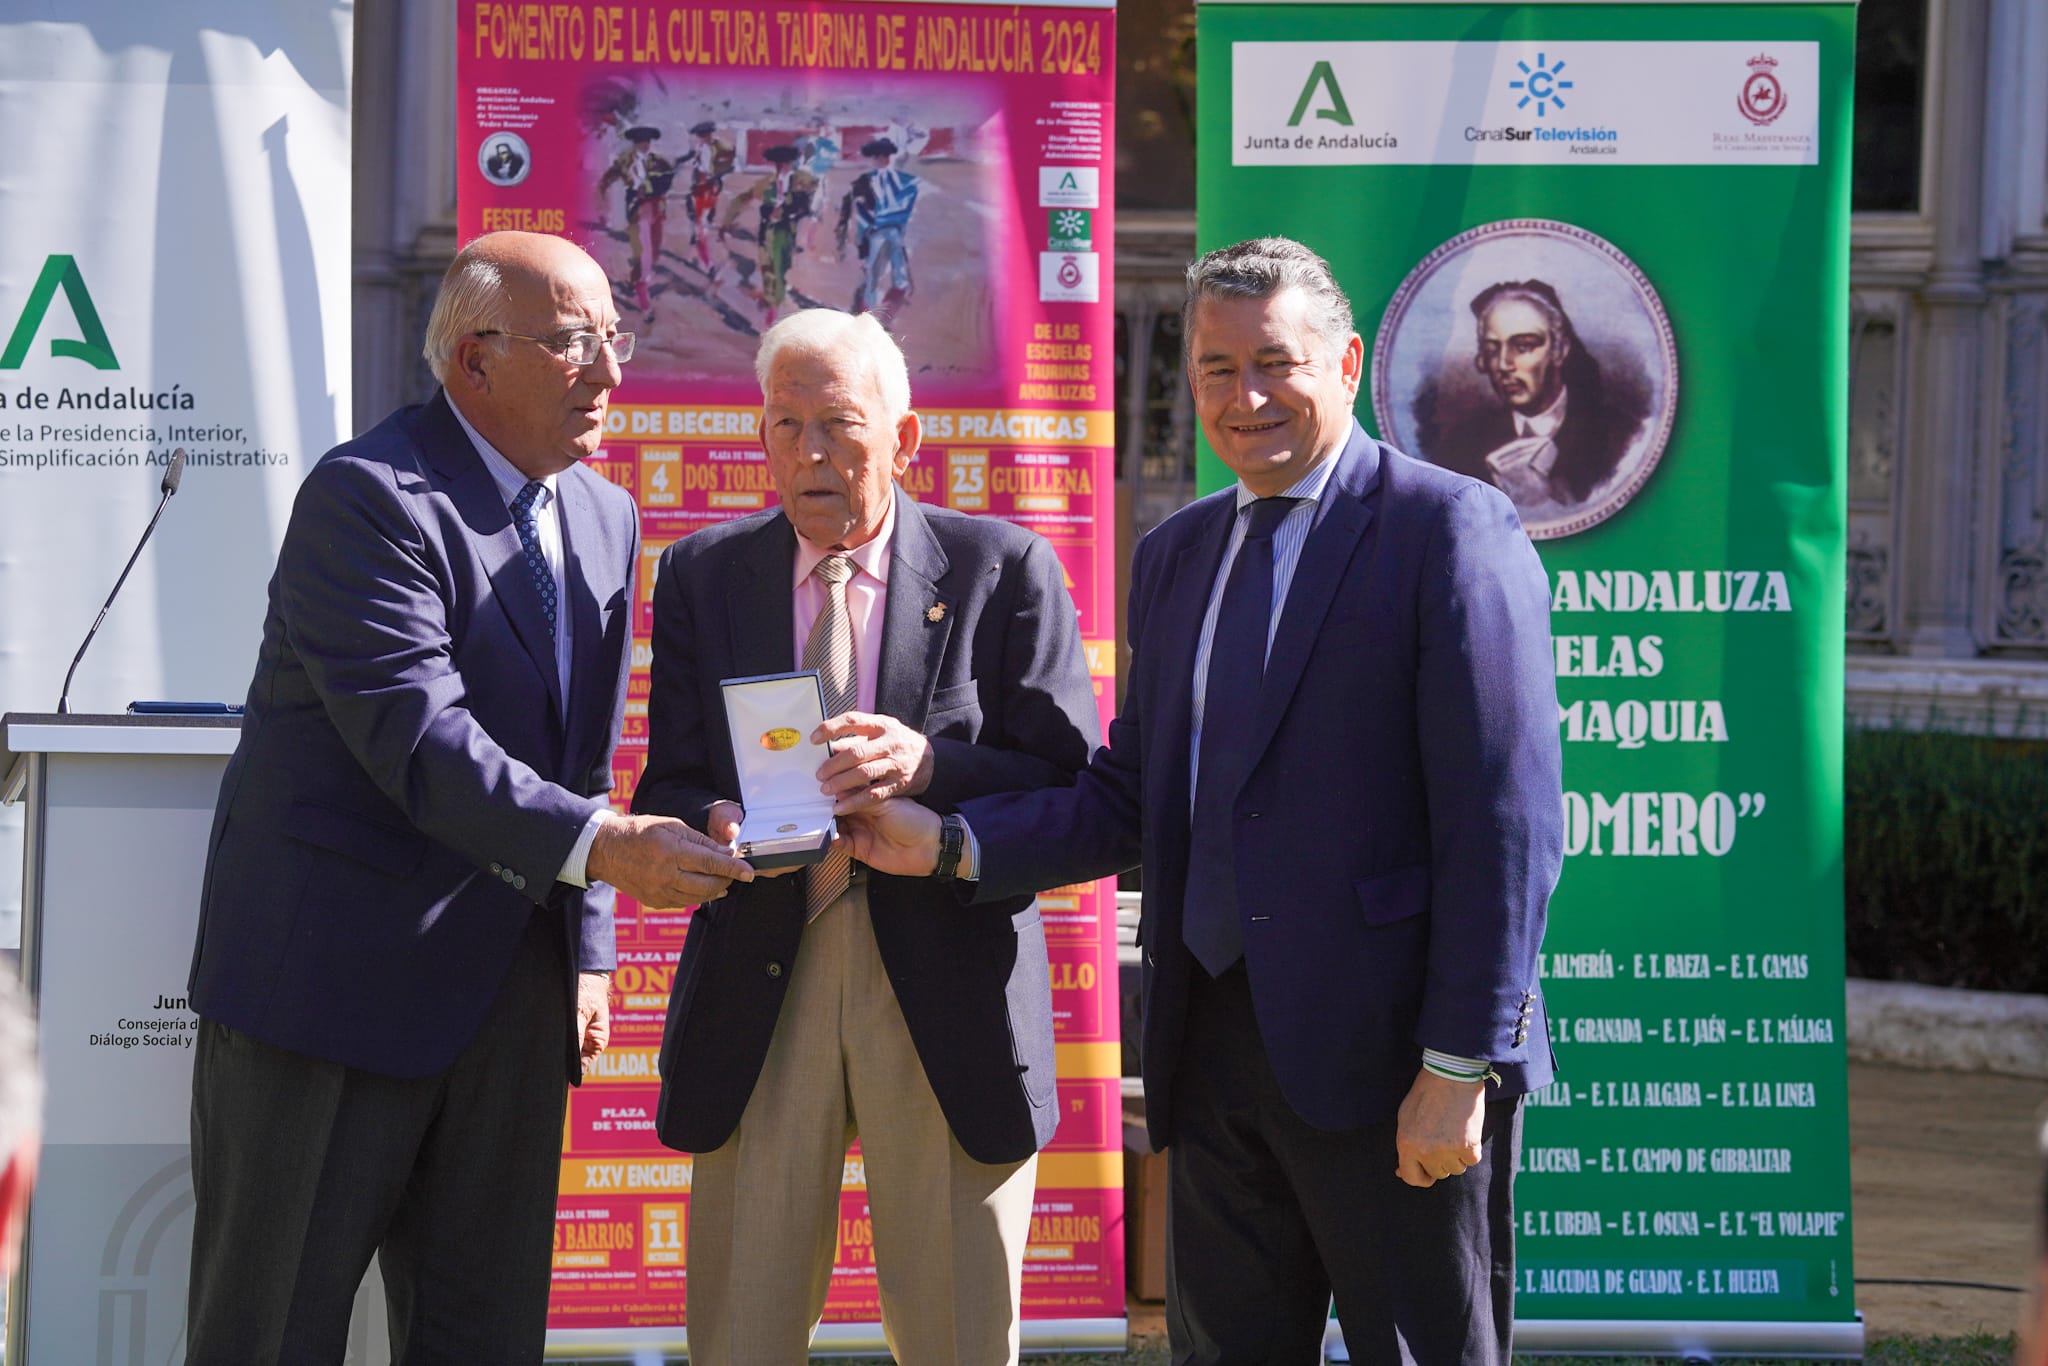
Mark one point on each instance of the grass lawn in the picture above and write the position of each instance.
(1983, 1349)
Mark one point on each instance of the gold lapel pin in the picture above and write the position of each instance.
(935, 612)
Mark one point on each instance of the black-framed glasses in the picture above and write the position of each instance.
(580, 349)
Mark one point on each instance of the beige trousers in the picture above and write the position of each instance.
(764, 1208)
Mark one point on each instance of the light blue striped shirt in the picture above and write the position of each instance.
(1288, 539)
(547, 526)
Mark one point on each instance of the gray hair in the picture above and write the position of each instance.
(1535, 293)
(822, 331)
(21, 1079)
(472, 299)
(1260, 269)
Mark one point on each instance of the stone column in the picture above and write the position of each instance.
(375, 284)
(1937, 506)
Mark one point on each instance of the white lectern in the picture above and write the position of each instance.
(118, 813)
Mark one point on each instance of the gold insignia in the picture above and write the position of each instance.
(935, 612)
(782, 737)
(785, 827)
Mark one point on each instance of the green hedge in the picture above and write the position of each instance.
(1946, 858)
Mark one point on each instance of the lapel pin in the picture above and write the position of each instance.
(935, 612)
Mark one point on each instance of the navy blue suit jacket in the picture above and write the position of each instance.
(1399, 834)
(1000, 683)
(409, 777)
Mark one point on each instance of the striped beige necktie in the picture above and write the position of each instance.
(830, 651)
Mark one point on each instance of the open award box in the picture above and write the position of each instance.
(771, 717)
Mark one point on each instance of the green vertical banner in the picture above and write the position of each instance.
(1599, 253)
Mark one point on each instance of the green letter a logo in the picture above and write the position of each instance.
(1338, 112)
(94, 348)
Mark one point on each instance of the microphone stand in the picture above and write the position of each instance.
(172, 477)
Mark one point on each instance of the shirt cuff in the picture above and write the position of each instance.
(970, 856)
(574, 869)
(1451, 1067)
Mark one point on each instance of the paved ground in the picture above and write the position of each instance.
(1945, 1181)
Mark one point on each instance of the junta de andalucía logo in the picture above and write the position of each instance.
(92, 346)
(1321, 77)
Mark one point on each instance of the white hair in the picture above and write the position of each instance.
(826, 331)
(472, 300)
(21, 1079)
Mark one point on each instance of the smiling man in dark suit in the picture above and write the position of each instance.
(1339, 755)
(829, 1005)
(405, 932)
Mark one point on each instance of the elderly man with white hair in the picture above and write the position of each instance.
(814, 1009)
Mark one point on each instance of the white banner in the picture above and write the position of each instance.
(174, 271)
(1531, 104)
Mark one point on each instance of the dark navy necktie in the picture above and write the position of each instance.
(1237, 666)
(529, 537)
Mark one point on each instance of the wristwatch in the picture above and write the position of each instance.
(952, 844)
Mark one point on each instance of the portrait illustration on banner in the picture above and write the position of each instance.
(504, 159)
(1536, 356)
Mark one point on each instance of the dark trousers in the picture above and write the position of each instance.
(1267, 1216)
(303, 1169)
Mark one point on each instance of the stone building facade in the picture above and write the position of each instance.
(1946, 615)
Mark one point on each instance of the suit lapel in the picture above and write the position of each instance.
(760, 606)
(1179, 632)
(912, 643)
(477, 499)
(1316, 579)
(592, 672)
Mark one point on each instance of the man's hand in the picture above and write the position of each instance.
(593, 1015)
(873, 758)
(724, 824)
(897, 837)
(1438, 1132)
(662, 863)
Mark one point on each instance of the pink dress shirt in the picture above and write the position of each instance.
(867, 593)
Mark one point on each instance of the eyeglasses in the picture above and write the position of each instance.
(580, 349)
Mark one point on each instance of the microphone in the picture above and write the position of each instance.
(172, 476)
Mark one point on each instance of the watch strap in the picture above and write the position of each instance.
(952, 844)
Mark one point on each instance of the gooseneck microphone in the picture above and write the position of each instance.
(172, 475)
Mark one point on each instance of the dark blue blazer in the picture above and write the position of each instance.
(409, 777)
(1399, 834)
(1000, 683)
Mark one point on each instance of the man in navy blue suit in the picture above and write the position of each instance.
(406, 929)
(1338, 757)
